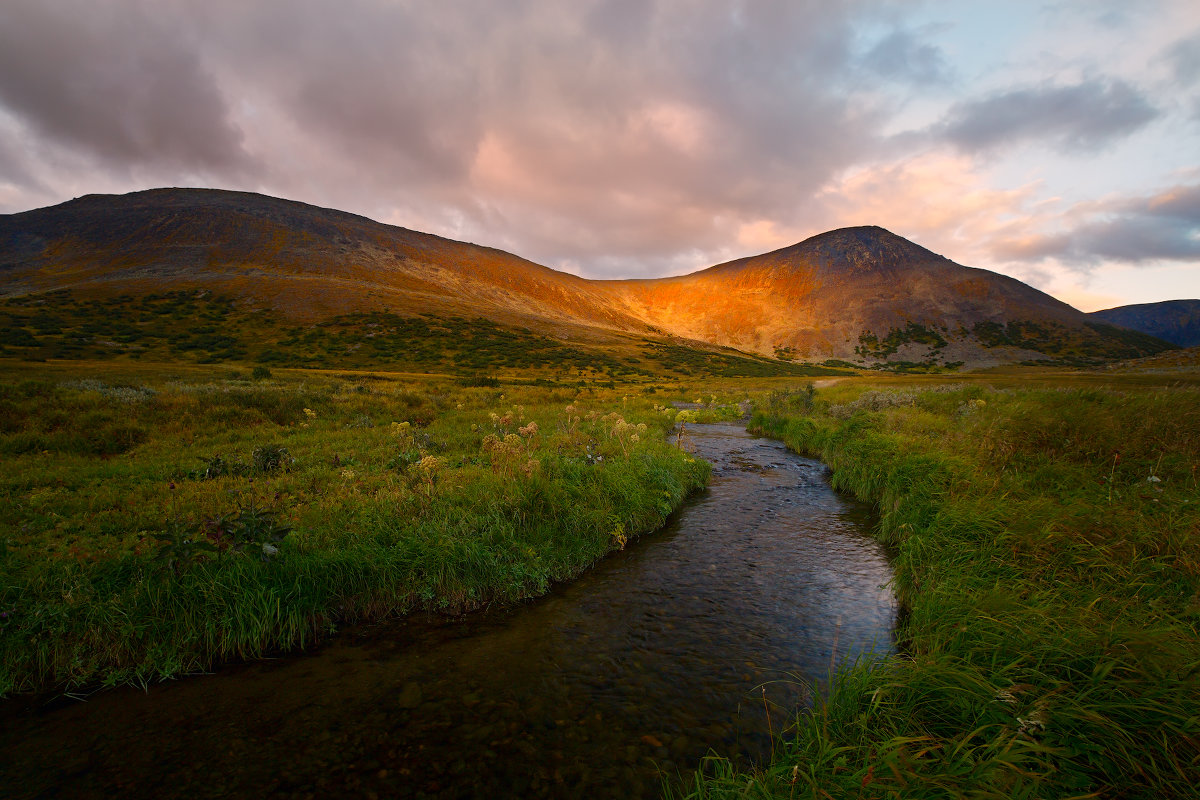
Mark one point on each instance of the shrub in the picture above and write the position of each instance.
(270, 458)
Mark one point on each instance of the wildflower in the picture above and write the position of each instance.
(459, 406)
(430, 464)
(308, 412)
(348, 474)
(634, 438)
(506, 420)
(529, 430)
(570, 409)
(494, 417)
(531, 466)
(474, 427)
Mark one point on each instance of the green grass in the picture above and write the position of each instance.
(1047, 550)
(120, 559)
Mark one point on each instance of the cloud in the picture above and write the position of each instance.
(580, 135)
(614, 138)
(1141, 230)
(1086, 116)
(114, 83)
(939, 200)
(1184, 60)
(901, 56)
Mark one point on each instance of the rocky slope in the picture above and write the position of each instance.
(859, 294)
(866, 294)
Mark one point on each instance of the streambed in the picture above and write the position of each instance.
(699, 638)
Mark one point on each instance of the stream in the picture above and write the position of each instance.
(700, 638)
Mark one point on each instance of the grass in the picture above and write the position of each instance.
(1047, 550)
(158, 520)
(199, 327)
(1045, 526)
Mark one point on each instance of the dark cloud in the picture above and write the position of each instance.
(611, 127)
(1084, 117)
(902, 56)
(1184, 60)
(615, 137)
(112, 80)
(1165, 226)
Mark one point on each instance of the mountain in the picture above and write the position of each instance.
(862, 294)
(867, 294)
(304, 261)
(1175, 321)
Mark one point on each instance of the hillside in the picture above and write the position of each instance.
(1175, 321)
(307, 262)
(868, 295)
(862, 295)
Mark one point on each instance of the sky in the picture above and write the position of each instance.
(1057, 141)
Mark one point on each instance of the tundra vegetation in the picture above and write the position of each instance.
(1047, 551)
(265, 488)
(155, 523)
(199, 327)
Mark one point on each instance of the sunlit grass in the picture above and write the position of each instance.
(1047, 548)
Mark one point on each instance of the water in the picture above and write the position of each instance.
(700, 638)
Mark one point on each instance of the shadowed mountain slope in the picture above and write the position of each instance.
(1175, 321)
(859, 294)
(305, 261)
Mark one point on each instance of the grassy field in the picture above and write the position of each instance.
(1045, 528)
(1046, 532)
(159, 519)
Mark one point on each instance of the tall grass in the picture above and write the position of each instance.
(399, 495)
(1047, 549)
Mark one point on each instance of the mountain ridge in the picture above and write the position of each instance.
(862, 294)
(1175, 321)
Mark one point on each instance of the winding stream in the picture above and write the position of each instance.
(699, 638)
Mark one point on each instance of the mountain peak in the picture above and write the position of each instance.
(861, 248)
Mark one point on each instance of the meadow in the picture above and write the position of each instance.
(159, 520)
(1046, 538)
(185, 327)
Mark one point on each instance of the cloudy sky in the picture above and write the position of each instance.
(1055, 141)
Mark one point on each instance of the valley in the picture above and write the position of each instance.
(240, 433)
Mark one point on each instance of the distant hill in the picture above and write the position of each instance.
(1175, 321)
(860, 295)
